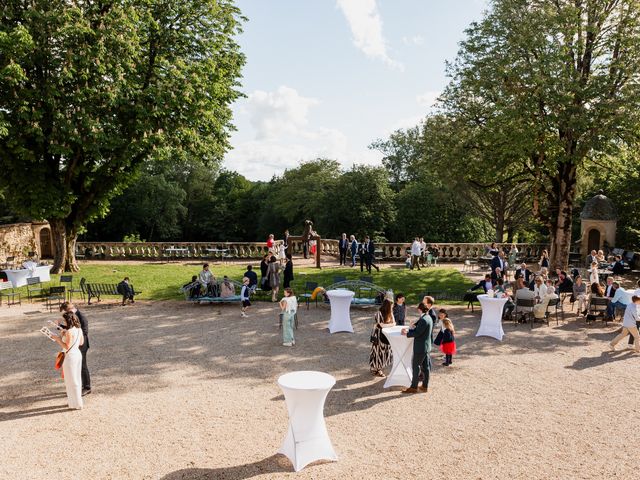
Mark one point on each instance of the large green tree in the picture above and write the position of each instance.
(89, 91)
(561, 78)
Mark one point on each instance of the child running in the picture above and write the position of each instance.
(244, 296)
(448, 341)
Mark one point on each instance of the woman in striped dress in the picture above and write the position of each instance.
(380, 355)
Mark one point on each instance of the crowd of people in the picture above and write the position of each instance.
(420, 254)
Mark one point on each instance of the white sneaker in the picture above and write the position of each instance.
(244, 315)
(293, 343)
(287, 344)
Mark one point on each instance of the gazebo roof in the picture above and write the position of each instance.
(599, 207)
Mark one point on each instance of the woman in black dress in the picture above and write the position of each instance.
(288, 272)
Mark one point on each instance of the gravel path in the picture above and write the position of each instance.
(189, 392)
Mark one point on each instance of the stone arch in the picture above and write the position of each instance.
(594, 239)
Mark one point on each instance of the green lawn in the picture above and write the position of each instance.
(162, 281)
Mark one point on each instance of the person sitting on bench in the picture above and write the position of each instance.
(126, 290)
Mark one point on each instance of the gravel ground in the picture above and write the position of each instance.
(189, 392)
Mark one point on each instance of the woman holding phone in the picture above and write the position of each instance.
(70, 340)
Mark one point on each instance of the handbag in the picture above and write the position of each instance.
(438, 340)
(375, 336)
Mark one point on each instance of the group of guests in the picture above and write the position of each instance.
(392, 313)
(351, 249)
(421, 254)
(72, 335)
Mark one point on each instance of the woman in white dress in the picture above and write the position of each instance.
(593, 274)
(70, 340)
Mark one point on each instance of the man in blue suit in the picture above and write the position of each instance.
(421, 334)
(343, 246)
(498, 262)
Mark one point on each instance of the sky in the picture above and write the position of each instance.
(325, 78)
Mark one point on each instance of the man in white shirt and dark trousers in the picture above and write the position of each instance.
(415, 254)
(629, 324)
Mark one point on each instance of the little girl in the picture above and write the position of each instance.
(448, 343)
(244, 296)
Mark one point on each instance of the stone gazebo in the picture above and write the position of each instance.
(598, 224)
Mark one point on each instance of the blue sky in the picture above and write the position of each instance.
(325, 78)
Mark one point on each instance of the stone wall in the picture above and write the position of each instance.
(16, 240)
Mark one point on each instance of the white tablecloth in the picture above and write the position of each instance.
(19, 277)
(402, 348)
(340, 320)
(491, 321)
(307, 439)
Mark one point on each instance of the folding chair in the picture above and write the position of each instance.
(7, 291)
(68, 280)
(597, 305)
(34, 288)
(56, 294)
(553, 304)
(309, 287)
(524, 306)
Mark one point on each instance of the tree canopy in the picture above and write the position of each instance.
(90, 91)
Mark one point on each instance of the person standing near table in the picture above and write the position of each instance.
(68, 307)
(380, 355)
(289, 306)
(422, 341)
(343, 247)
(629, 324)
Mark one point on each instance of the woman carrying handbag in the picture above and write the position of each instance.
(70, 340)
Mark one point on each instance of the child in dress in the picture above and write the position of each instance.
(244, 296)
(448, 343)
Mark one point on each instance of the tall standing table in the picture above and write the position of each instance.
(491, 320)
(307, 439)
(402, 348)
(340, 320)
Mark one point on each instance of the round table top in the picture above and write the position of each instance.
(340, 293)
(306, 380)
(487, 298)
(394, 331)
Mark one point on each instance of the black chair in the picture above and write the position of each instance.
(56, 294)
(309, 287)
(597, 305)
(553, 304)
(7, 291)
(34, 288)
(9, 263)
(68, 280)
(521, 304)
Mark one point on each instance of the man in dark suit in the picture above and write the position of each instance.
(252, 276)
(618, 266)
(421, 334)
(362, 252)
(592, 257)
(343, 246)
(126, 290)
(371, 255)
(84, 325)
(485, 285)
(497, 262)
(524, 272)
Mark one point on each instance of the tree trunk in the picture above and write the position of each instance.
(499, 217)
(64, 247)
(59, 234)
(560, 233)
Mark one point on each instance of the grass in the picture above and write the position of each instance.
(162, 281)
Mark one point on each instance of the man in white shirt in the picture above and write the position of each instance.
(206, 279)
(629, 324)
(620, 299)
(415, 254)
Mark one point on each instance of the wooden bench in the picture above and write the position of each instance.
(96, 290)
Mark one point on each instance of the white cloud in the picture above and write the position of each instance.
(428, 99)
(283, 138)
(366, 28)
(281, 111)
(417, 40)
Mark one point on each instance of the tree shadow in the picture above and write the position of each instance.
(273, 464)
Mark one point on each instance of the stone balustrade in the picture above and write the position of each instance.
(449, 252)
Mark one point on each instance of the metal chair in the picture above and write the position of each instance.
(68, 279)
(309, 287)
(368, 290)
(9, 263)
(7, 291)
(34, 288)
(524, 306)
(553, 304)
(598, 305)
(56, 294)
(339, 279)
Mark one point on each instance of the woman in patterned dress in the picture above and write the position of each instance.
(380, 355)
